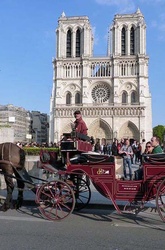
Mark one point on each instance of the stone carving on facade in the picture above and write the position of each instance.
(116, 94)
(85, 94)
(129, 86)
(141, 93)
(58, 95)
(72, 87)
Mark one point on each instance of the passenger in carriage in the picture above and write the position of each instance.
(155, 142)
(80, 125)
(97, 147)
(148, 148)
(152, 147)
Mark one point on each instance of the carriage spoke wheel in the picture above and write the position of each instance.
(160, 200)
(133, 207)
(56, 200)
(82, 193)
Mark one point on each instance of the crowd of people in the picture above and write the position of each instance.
(138, 148)
(132, 153)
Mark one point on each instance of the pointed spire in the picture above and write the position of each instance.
(63, 14)
(138, 11)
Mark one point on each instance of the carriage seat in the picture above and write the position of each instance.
(77, 145)
(76, 135)
(154, 158)
(92, 158)
(75, 141)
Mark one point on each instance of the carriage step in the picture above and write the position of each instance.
(129, 212)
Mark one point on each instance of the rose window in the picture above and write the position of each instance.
(100, 93)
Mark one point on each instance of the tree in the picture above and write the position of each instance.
(159, 131)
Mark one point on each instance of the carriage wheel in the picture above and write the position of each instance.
(56, 200)
(160, 200)
(133, 207)
(86, 178)
(82, 192)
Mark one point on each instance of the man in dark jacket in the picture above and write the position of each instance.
(80, 125)
(155, 142)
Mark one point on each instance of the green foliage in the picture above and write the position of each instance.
(5, 126)
(36, 151)
(159, 131)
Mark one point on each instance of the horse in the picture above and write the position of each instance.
(12, 159)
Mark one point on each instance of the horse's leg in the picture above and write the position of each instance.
(20, 185)
(10, 187)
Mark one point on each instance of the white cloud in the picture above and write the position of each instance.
(153, 2)
(49, 34)
(159, 26)
(154, 24)
(162, 27)
(124, 6)
(114, 2)
(129, 4)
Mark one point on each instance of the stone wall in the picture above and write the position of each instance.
(6, 135)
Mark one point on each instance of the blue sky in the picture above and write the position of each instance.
(27, 46)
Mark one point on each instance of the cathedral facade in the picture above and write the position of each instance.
(112, 92)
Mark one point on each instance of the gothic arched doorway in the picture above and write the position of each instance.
(101, 131)
(129, 130)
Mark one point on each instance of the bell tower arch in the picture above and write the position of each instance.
(74, 37)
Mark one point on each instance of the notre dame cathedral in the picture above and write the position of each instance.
(112, 92)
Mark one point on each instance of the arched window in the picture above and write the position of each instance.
(133, 97)
(123, 41)
(124, 97)
(78, 44)
(68, 98)
(69, 44)
(132, 41)
(123, 69)
(77, 98)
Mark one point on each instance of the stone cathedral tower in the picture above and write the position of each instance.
(112, 91)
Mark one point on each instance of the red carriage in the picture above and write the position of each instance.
(101, 170)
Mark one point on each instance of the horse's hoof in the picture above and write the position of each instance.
(4, 207)
(18, 204)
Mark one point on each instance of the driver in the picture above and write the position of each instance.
(79, 124)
